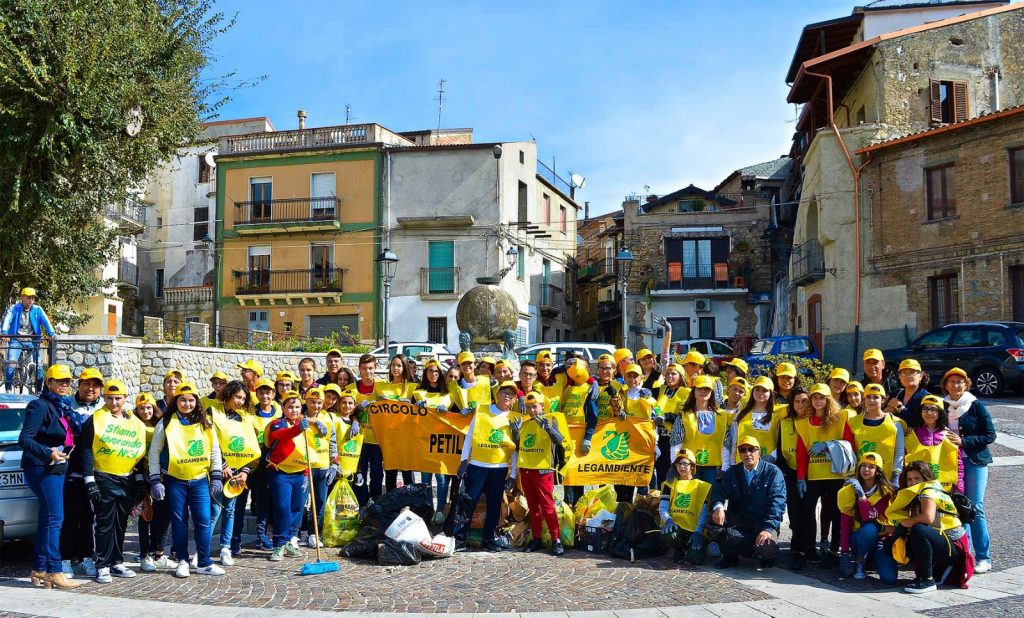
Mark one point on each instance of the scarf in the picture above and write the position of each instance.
(66, 407)
(957, 408)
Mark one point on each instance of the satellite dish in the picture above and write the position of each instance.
(208, 157)
(578, 181)
(134, 124)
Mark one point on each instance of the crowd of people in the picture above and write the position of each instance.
(869, 479)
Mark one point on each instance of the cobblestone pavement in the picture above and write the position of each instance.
(1009, 606)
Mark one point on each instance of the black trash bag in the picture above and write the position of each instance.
(639, 537)
(461, 510)
(401, 553)
(382, 512)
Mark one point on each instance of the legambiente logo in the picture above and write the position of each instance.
(682, 501)
(617, 448)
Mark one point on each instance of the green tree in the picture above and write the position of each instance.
(74, 76)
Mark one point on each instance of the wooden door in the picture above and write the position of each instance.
(814, 327)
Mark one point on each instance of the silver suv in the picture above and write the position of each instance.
(18, 507)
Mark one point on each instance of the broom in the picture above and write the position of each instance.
(320, 566)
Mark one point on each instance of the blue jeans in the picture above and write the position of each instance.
(219, 505)
(371, 466)
(288, 494)
(489, 482)
(14, 354)
(864, 542)
(975, 480)
(320, 493)
(49, 491)
(259, 506)
(443, 482)
(186, 498)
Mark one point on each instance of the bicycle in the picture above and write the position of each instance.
(25, 374)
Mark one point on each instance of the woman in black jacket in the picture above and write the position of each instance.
(46, 440)
(969, 419)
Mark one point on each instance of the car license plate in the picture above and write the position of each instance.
(12, 479)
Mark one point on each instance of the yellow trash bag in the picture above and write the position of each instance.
(341, 515)
(566, 527)
(601, 497)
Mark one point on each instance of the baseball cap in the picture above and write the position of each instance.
(748, 441)
(872, 458)
(933, 400)
(622, 354)
(535, 397)
(508, 384)
(28, 292)
(186, 388)
(145, 398)
(686, 454)
(176, 373)
(58, 372)
(785, 369)
(90, 373)
(115, 387)
(840, 373)
(821, 389)
(910, 363)
(855, 386)
(643, 353)
(466, 357)
(545, 356)
(874, 389)
(764, 382)
(873, 354)
(265, 383)
(219, 375)
(738, 363)
(703, 381)
(693, 356)
(634, 368)
(315, 393)
(253, 365)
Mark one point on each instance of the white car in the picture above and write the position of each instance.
(710, 348)
(588, 350)
(413, 350)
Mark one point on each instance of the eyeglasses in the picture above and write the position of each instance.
(747, 449)
(684, 462)
(929, 410)
(506, 394)
(528, 375)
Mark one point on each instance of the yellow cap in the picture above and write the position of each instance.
(785, 369)
(955, 371)
(90, 373)
(910, 363)
(748, 441)
(220, 375)
(577, 372)
(265, 383)
(764, 382)
(28, 292)
(622, 354)
(643, 353)
(508, 384)
(314, 393)
(331, 388)
(821, 389)
(874, 389)
(176, 373)
(186, 388)
(840, 373)
(535, 397)
(488, 359)
(742, 382)
(872, 458)
(58, 372)
(291, 395)
(253, 365)
(233, 488)
(115, 387)
(687, 454)
(606, 358)
(499, 363)
(873, 354)
(693, 356)
(738, 363)
(545, 356)
(334, 352)
(145, 398)
(634, 368)
(433, 362)
(703, 381)
(285, 375)
(933, 400)
(466, 357)
(855, 386)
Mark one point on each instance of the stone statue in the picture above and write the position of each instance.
(465, 340)
(487, 316)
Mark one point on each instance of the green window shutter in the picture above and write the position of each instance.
(441, 276)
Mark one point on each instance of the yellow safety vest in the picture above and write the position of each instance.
(260, 423)
(363, 415)
(767, 439)
(492, 438)
(604, 398)
(210, 403)
(686, 500)
(535, 442)
(640, 408)
(319, 446)
(572, 402)
(117, 443)
(671, 405)
(553, 393)
(189, 450)
(945, 510)
(819, 467)
(480, 392)
(349, 448)
(943, 458)
(706, 447)
(296, 460)
(880, 439)
(847, 501)
(433, 399)
(239, 443)
(787, 441)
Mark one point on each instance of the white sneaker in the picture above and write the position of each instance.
(103, 576)
(193, 561)
(165, 562)
(213, 569)
(294, 542)
(182, 570)
(87, 567)
(120, 570)
(65, 568)
(312, 541)
(147, 564)
(225, 557)
(983, 566)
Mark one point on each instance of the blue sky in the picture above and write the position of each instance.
(628, 94)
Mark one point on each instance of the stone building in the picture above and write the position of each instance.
(600, 300)
(948, 209)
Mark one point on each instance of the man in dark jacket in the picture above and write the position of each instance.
(756, 495)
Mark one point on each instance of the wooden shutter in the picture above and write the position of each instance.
(960, 101)
(935, 97)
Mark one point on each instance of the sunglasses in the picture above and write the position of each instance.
(748, 449)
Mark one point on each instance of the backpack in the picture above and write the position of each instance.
(966, 511)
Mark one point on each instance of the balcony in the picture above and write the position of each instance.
(552, 300)
(808, 263)
(609, 310)
(439, 283)
(707, 277)
(299, 139)
(130, 216)
(127, 274)
(299, 285)
(188, 296)
(294, 214)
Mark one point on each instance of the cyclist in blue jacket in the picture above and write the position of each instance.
(25, 319)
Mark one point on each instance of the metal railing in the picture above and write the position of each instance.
(320, 279)
(31, 353)
(288, 210)
(128, 272)
(188, 295)
(443, 280)
(718, 277)
(549, 175)
(808, 262)
(130, 212)
(552, 298)
(609, 309)
(299, 138)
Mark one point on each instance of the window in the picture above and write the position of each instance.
(321, 195)
(968, 338)
(706, 327)
(259, 320)
(159, 223)
(200, 222)
(860, 117)
(563, 219)
(941, 194)
(558, 334)
(437, 330)
(544, 330)
(204, 169)
(522, 157)
(321, 261)
(944, 295)
(720, 349)
(521, 264)
(1017, 176)
(258, 275)
(691, 263)
(680, 328)
(158, 283)
(441, 271)
(948, 101)
(995, 338)
(524, 214)
(192, 318)
(546, 209)
(931, 341)
(794, 346)
(261, 198)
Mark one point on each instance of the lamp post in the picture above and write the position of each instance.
(510, 258)
(624, 260)
(388, 262)
(211, 245)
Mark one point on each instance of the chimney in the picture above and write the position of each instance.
(586, 210)
(302, 119)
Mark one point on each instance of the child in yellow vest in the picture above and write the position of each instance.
(264, 412)
(671, 397)
(154, 515)
(608, 386)
(798, 407)
(323, 457)
(286, 474)
(240, 448)
(369, 479)
(349, 436)
(185, 449)
(684, 510)
(875, 430)
(488, 454)
(933, 443)
(114, 444)
(399, 387)
(863, 501)
(757, 418)
(701, 428)
(854, 398)
(218, 380)
(540, 437)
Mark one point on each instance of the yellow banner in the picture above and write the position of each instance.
(419, 439)
(621, 453)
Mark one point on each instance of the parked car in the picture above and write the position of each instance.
(992, 353)
(413, 350)
(18, 507)
(791, 345)
(714, 349)
(588, 350)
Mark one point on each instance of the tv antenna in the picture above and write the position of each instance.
(440, 102)
(348, 113)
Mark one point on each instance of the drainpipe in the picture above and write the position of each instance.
(856, 208)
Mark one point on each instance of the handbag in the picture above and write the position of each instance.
(966, 511)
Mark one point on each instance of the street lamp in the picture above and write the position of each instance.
(211, 245)
(625, 262)
(388, 263)
(510, 257)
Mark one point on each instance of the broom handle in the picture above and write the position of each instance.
(312, 497)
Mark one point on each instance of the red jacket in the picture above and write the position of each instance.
(281, 432)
